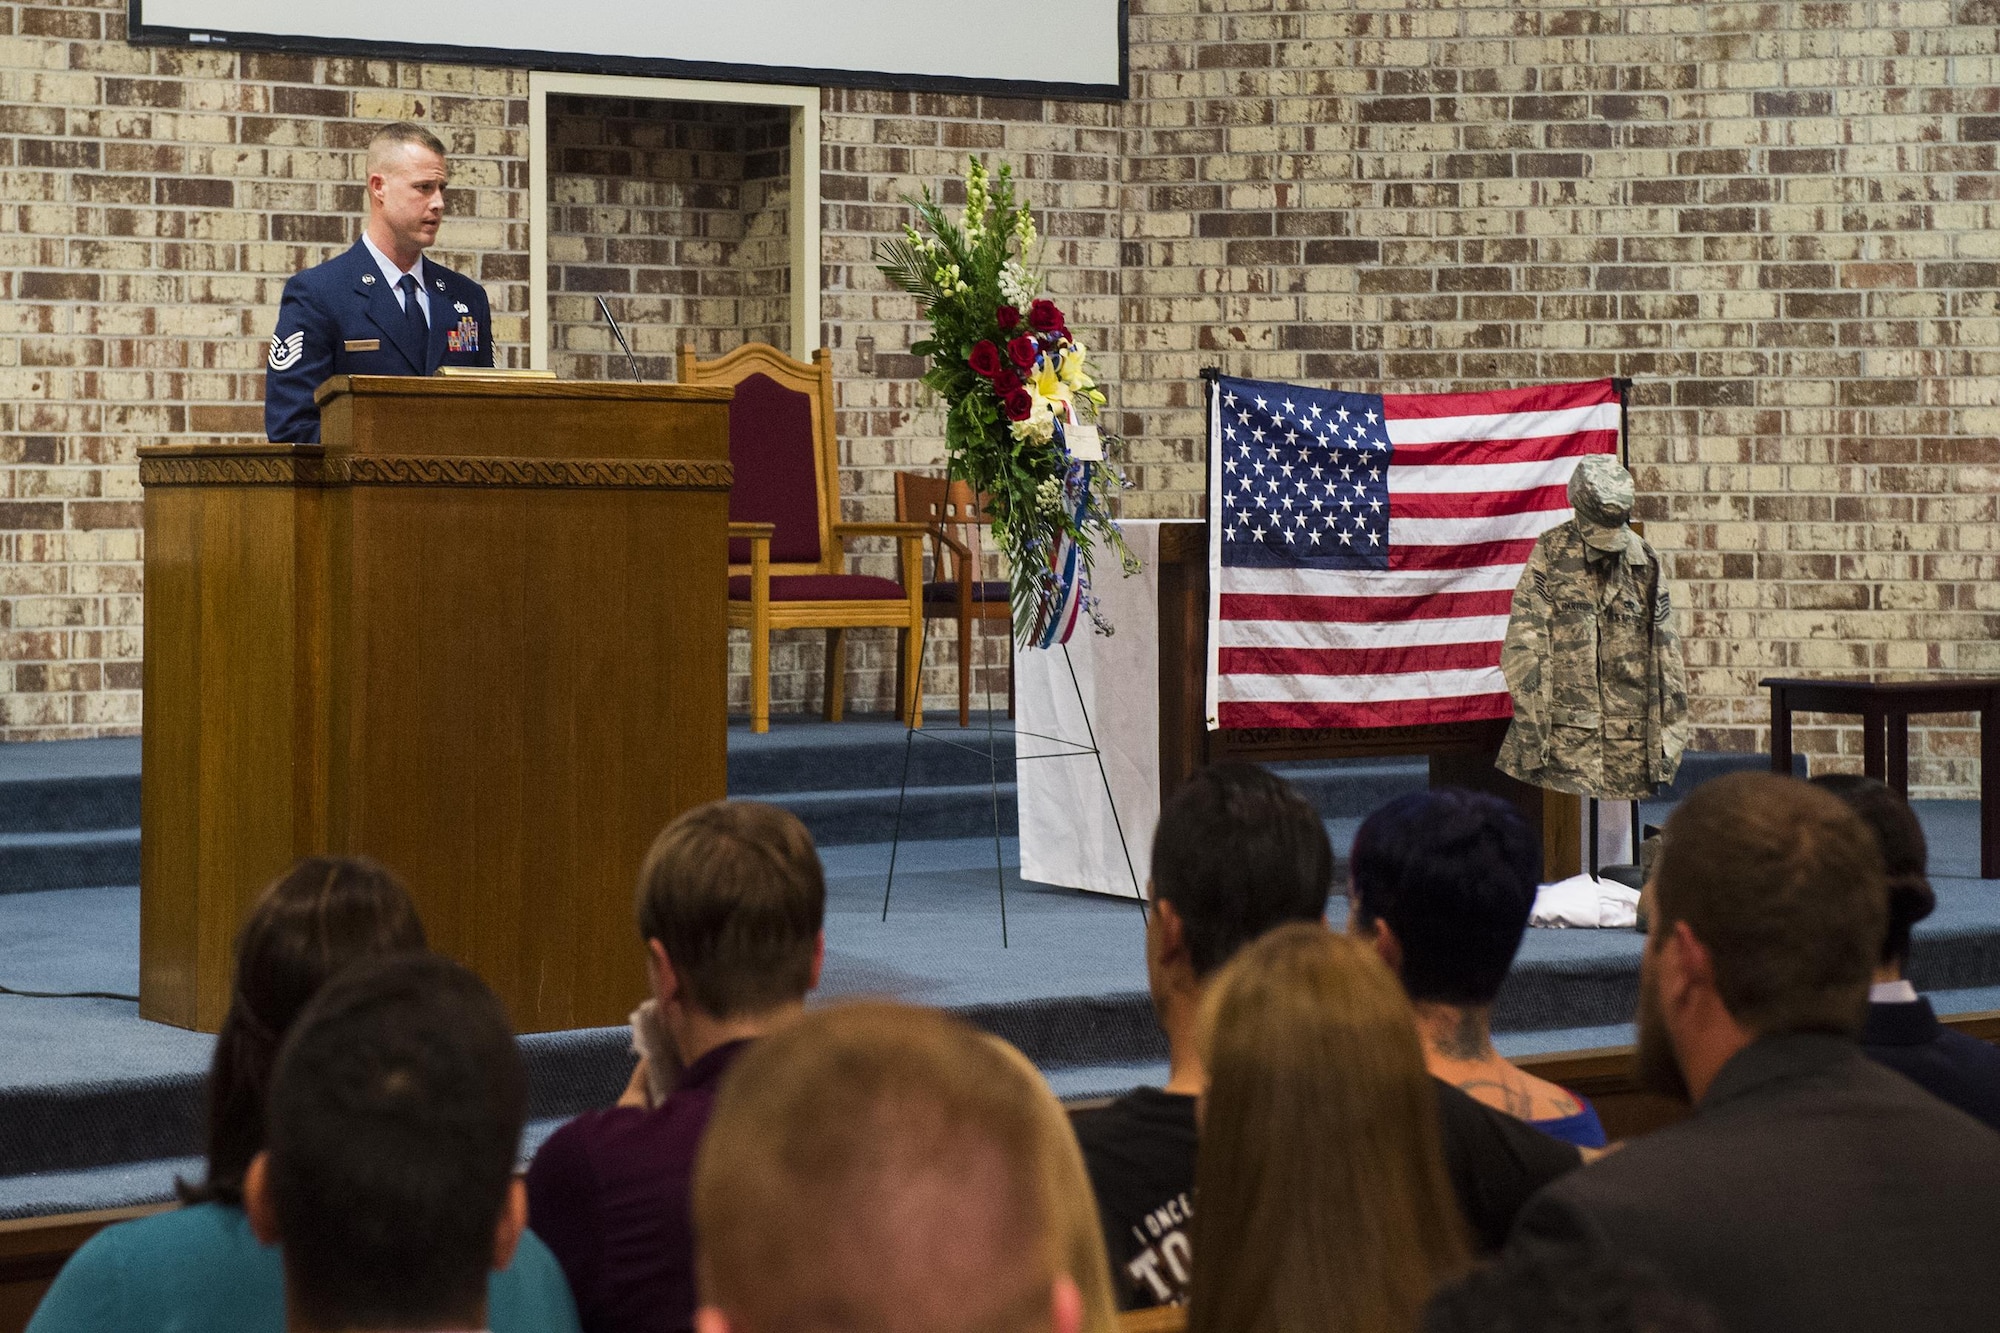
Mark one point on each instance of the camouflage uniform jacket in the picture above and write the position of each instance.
(1591, 658)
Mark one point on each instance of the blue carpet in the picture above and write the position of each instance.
(101, 1109)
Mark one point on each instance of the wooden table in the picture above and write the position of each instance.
(1885, 706)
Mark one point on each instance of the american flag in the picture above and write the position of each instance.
(1363, 548)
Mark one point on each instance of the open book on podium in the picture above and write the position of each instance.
(477, 633)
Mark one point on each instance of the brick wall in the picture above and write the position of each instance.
(676, 213)
(1776, 217)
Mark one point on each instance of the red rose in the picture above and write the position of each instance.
(1019, 404)
(1022, 352)
(1043, 317)
(985, 358)
(1008, 317)
(1005, 383)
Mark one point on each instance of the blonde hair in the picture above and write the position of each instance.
(1321, 1194)
(387, 142)
(876, 1167)
(1076, 1227)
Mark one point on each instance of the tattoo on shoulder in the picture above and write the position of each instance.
(1514, 1101)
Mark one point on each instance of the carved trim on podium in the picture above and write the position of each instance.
(656, 474)
(228, 470)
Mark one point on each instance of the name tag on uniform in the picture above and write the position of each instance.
(362, 345)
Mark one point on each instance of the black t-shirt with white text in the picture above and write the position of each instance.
(1140, 1152)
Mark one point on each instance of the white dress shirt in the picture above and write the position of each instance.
(1892, 992)
(393, 275)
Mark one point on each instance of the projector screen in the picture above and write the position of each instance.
(1076, 49)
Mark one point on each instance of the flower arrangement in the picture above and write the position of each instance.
(1021, 402)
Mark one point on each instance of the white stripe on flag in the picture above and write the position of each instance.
(1247, 688)
(1352, 634)
(1503, 425)
(1466, 531)
(1372, 582)
(1417, 479)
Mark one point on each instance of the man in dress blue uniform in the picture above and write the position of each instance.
(381, 308)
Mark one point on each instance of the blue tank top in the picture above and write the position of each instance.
(1583, 1129)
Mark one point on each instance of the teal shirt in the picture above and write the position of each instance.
(199, 1270)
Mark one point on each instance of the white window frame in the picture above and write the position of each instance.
(803, 222)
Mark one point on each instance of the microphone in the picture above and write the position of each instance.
(619, 334)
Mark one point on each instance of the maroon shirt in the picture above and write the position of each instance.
(609, 1193)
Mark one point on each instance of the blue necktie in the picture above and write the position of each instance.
(418, 328)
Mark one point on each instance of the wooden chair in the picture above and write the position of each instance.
(1160, 1319)
(787, 556)
(955, 591)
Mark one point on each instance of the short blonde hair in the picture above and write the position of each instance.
(876, 1167)
(399, 134)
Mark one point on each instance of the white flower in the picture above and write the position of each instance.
(1017, 285)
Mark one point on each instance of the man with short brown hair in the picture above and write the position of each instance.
(877, 1169)
(730, 905)
(1812, 1189)
(381, 308)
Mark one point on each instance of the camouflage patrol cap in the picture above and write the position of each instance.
(1601, 493)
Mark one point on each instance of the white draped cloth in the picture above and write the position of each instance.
(1068, 833)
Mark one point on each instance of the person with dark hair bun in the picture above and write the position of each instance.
(199, 1266)
(1902, 1031)
(1442, 883)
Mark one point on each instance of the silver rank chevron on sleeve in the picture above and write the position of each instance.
(287, 352)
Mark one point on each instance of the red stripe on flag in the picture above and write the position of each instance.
(1476, 504)
(1360, 661)
(1389, 713)
(1534, 449)
(1469, 556)
(1364, 610)
(1539, 398)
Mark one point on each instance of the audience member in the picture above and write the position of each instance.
(1238, 852)
(877, 1169)
(1902, 1031)
(1602, 1296)
(199, 1266)
(730, 905)
(387, 1178)
(1066, 1185)
(1442, 882)
(1812, 1189)
(1324, 1197)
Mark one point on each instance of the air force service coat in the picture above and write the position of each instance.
(341, 318)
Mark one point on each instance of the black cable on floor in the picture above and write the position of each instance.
(68, 994)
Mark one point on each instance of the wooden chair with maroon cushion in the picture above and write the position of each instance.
(955, 591)
(787, 553)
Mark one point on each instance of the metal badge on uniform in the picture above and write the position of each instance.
(440, 284)
(362, 345)
(464, 338)
(368, 280)
(461, 307)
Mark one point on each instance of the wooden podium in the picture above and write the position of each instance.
(477, 634)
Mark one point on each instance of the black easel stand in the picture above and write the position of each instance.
(1072, 750)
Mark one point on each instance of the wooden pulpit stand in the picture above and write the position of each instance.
(477, 634)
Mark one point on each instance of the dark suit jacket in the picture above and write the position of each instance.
(1812, 1190)
(1964, 1071)
(341, 318)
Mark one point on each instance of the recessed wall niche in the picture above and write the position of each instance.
(678, 214)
